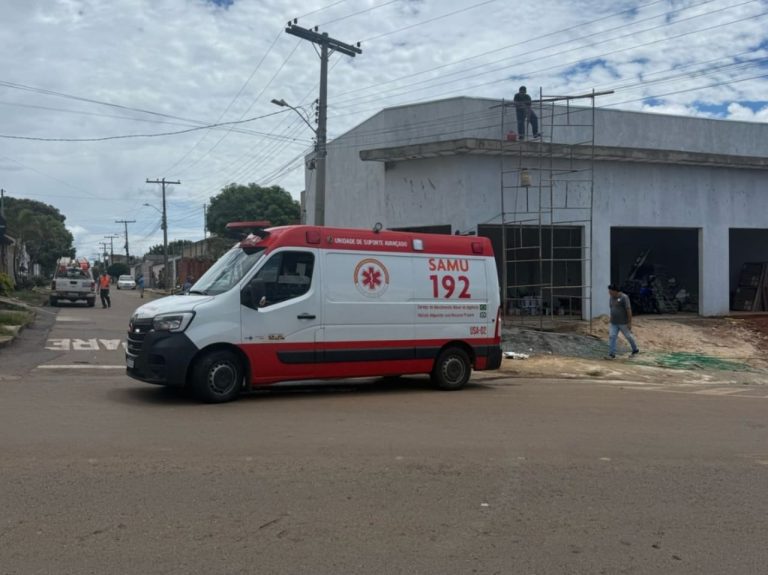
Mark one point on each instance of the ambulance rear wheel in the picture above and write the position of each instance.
(217, 377)
(452, 369)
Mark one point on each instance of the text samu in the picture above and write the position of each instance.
(448, 265)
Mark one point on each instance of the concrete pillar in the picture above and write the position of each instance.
(714, 294)
(601, 267)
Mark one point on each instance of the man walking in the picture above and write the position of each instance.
(104, 290)
(140, 282)
(524, 111)
(621, 321)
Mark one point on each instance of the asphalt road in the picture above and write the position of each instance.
(102, 474)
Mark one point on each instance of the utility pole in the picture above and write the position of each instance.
(205, 221)
(126, 222)
(165, 228)
(103, 246)
(327, 46)
(3, 227)
(111, 247)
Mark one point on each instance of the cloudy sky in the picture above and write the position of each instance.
(96, 96)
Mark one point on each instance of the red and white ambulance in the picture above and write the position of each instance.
(306, 302)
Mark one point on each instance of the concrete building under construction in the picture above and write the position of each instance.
(675, 209)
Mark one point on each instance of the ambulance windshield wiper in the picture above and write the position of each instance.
(197, 291)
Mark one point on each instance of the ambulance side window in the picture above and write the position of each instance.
(285, 276)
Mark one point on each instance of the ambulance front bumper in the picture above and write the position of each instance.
(158, 357)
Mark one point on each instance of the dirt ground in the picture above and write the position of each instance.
(674, 349)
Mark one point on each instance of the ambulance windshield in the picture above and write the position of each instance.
(227, 272)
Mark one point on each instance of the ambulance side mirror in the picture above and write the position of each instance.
(258, 292)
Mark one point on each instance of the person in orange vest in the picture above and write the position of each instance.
(104, 290)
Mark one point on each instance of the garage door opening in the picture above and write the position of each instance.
(657, 267)
(748, 269)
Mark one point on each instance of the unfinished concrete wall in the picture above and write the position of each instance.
(711, 199)
(355, 190)
(464, 191)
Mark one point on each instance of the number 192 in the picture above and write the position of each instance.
(448, 283)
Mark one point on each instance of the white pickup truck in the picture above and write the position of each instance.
(73, 281)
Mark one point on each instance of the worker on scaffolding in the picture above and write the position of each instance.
(525, 114)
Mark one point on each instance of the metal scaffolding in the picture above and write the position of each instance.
(546, 196)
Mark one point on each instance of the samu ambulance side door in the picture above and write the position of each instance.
(281, 316)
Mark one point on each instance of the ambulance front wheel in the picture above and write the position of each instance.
(452, 369)
(217, 377)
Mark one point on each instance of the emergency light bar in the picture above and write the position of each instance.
(241, 230)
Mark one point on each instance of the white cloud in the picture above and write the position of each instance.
(739, 112)
(189, 59)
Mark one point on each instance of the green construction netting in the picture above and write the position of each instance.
(685, 360)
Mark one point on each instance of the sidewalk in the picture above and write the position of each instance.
(8, 333)
(674, 348)
(6, 338)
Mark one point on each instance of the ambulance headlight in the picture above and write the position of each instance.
(173, 321)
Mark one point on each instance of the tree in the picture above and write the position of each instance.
(40, 227)
(175, 247)
(118, 269)
(237, 202)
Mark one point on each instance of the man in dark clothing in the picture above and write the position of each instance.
(621, 321)
(525, 111)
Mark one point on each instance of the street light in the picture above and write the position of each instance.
(320, 153)
(302, 114)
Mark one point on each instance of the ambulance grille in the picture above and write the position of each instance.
(136, 333)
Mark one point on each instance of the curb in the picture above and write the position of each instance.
(6, 340)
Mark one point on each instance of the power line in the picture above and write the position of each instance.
(285, 61)
(90, 195)
(271, 152)
(465, 89)
(326, 44)
(46, 92)
(473, 6)
(364, 11)
(273, 77)
(122, 137)
(323, 8)
(636, 46)
(221, 116)
(269, 83)
(531, 56)
(378, 85)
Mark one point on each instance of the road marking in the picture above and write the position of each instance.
(717, 392)
(720, 391)
(110, 344)
(69, 318)
(80, 366)
(92, 344)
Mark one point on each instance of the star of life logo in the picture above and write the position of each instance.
(371, 277)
